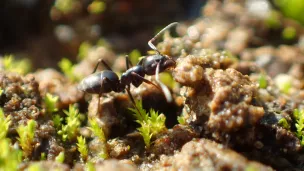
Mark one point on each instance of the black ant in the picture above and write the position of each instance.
(107, 80)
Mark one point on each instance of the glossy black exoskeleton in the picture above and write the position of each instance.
(107, 80)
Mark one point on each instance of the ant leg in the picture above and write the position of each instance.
(145, 80)
(99, 95)
(162, 85)
(132, 99)
(104, 63)
(128, 62)
(156, 36)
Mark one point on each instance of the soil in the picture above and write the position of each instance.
(231, 121)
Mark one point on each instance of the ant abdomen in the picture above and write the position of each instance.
(100, 82)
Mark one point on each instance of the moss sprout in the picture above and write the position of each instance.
(60, 157)
(97, 7)
(181, 120)
(262, 81)
(89, 167)
(84, 50)
(98, 132)
(26, 137)
(22, 66)
(273, 20)
(134, 56)
(4, 124)
(292, 8)
(299, 117)
(150, 123)
(283, 82)
(283, 122)
(67, 68)
(289, 33)
(10, 157)
(34, 167)
(50, 102)
(70, 129)
(82, 147)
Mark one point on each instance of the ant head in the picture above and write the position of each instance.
(168, 62)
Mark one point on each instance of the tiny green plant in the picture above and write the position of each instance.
(57, 120)
(70, 130)
(262, 81)
(1, 91)
(89, 166)
(292, 8)
(50, 102)
(64, 6)
(181, 120)
(83, 50)
(97, 7)
(150, 123)
(299, 116)
(4, 124)
(283, 122)
(10, 64)
(289, 33)
(34, 167)
(98, 132)
(26, 137)
(82, 148)
(67, 68)
(60, 157)
(134, 56)
(10, 157)
(283, 82)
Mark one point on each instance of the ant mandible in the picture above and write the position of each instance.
(107, 80)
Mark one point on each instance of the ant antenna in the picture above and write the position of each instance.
(162, 85)
(156, 36)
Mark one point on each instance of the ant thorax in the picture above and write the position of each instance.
(131, 76)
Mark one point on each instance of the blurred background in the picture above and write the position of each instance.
(47, 30)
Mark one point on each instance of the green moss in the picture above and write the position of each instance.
(98, 132)
(82, 148)
(22, 66)
(84, 50)
(97, 7)
(60, 158)
(134, 56)
(292, 8)
(283, 122)
(289, 33)
(4, 124)
(262, 81)
(34, 167)
(150, 123)
(26, 137)
(181, 120)
(67, 68)
(273, 20)
(64, 6)
(10, 157)
(70, 130)
(89, 167)
(299, 117)
(50, 102)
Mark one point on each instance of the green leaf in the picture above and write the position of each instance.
(82, 147)
(60, 157)
(50, 102)
(4, 124)
(26, 136)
